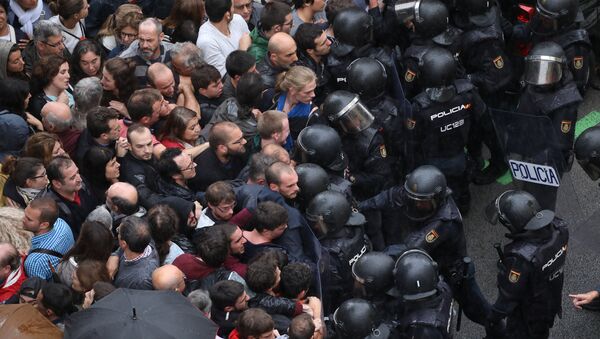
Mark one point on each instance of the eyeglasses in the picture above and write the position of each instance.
(124, 36)
(239, 141)
(226, 209)
(43, 175)
(61, 42)
(242, 6)
(190, 167)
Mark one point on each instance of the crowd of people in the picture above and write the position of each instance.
(293, 168)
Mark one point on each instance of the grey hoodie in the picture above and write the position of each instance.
(5, 47)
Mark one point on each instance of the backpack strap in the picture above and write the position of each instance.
(46, 251)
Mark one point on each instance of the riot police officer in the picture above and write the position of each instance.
(368, 166)
(322, 145)
(373, 280)
(340, 232)
(425, 305)
(557, 21)
(357, 319)
(312, 180)
(547, 79)
(530, 278)
(441, 121)
(438, 229)
(587, 152)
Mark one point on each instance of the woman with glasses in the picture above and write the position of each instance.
(70, 18)
(50, 82)
(87, 60)
(120, 29)
(27, 180)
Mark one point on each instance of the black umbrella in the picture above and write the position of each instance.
(127, 313)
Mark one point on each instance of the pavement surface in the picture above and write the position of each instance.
(578, 204)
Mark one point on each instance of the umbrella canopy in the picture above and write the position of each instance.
(23, 321)
(127, 313)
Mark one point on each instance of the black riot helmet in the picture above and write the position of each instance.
(425, 191)
(416, 275)
(437, 71)
(312, 180)
(587, 151)
(518, 211)
(355, 319)
(374, 270)
(367, 77)
(431, 18)
(352, 28)
(347, 111)
(476, 7)
(329, 211)
(545, 64)
(554, 15)
(322, 145)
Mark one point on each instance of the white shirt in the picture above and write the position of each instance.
(71, 35)
(216, 46)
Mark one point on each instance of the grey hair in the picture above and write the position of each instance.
(102, 215)
(155, 22)
(44, 29)
(87, 95)
(201, 299)
(191, 53)
(60, 124)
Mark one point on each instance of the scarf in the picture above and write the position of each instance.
(27, 18)
(28, 194)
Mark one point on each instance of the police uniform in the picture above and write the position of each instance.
(388, 121)
(530, 281)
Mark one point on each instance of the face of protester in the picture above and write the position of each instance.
(243, 8)
(71, 181)
(192, 131)
(39, 181)
(61, 80)
(159, 109)
(53, 45)
(286, 56)
(111, 170)
(288, 186)
(15, 63)
(187, 166)
(58, 150)
(127, 35)
(214, 89)
(108, 82)
(31, 220)
(165, 83)
(90, 63)
(237, 241)
(306, 93)
(318, 5)
(322, 45)
(140, 145)
(223, 211)
(149, 41)
(241, 304)
(3, 19)
(83, 13)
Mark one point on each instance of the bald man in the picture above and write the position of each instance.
(281, 55)
(168, 278)
(277, 152)
(122, 201)
(57, 118)
(162, 78)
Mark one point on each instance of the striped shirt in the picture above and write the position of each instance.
(59, 239)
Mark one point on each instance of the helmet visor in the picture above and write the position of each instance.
(419, 208)
(590, 169)
(491, 212)
(542, 70)
(405, 10)
(355, 117)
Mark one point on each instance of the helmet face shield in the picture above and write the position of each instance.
(405, 10)
(542, 70)
(354, 118)
(419, 208)
(590, 168)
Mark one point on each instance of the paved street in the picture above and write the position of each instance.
(579, 205)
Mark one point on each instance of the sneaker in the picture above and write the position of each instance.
(489, 174)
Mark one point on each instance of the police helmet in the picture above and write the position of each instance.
(431, 18)
(312, 180)
(425, 191)
(416, 275)
(367, 78)
(374, 270)
(545, 64)
(553, 15)
(476, 7)
(322, 145)
(437, 68)
(352, 28)
(587, 151)
(330, 211)
(355, 319)
(518, 211)
(347, 111)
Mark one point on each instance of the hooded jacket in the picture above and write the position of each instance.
(5, 47)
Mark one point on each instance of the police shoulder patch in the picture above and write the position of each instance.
(499, 62)
(410, 123)
(431, 236)
(514, 276)
(382, 151)
(565, 126)
(578, 62)
(409, 76)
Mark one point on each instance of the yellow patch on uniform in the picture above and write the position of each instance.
(409, 76)
(565, 126)
(499, 62)
(514, 276)
(410, 124)
(382, 151)
(578, 62)
(431, 236)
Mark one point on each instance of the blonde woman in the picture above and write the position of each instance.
(120, 29)
(296, 90)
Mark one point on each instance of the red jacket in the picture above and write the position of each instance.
(13, 282)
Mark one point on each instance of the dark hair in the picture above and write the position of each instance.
(163, 223)
(93, 166)
(301, 327)
(273, 14)
(102, 289)
(97, 120)
(135, 232)
(218, 192)
(219, 133)
(257, 166)
(65, 8)
(58, 298)
(40, 145)
(295, 278)
(55, 167)
(274, 172)
(91, 271)
(212, 246)
(140, 103)
(166, 165)
(254, 322)
(14, 92)
(270, 215)
(185, 10)
(204, 75)
(216, 9)
(45, 70)
(20, 75)
(249, 93)
(225, 293)
(95, 242)
(125, 206)
(123, 72)
(82, 47)
(187, 30)
(176, 123)
(48, 208)
(238, 63)
(306, 34)
(4, 4)
(21, 169)
(261, 276)
(335, 6)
